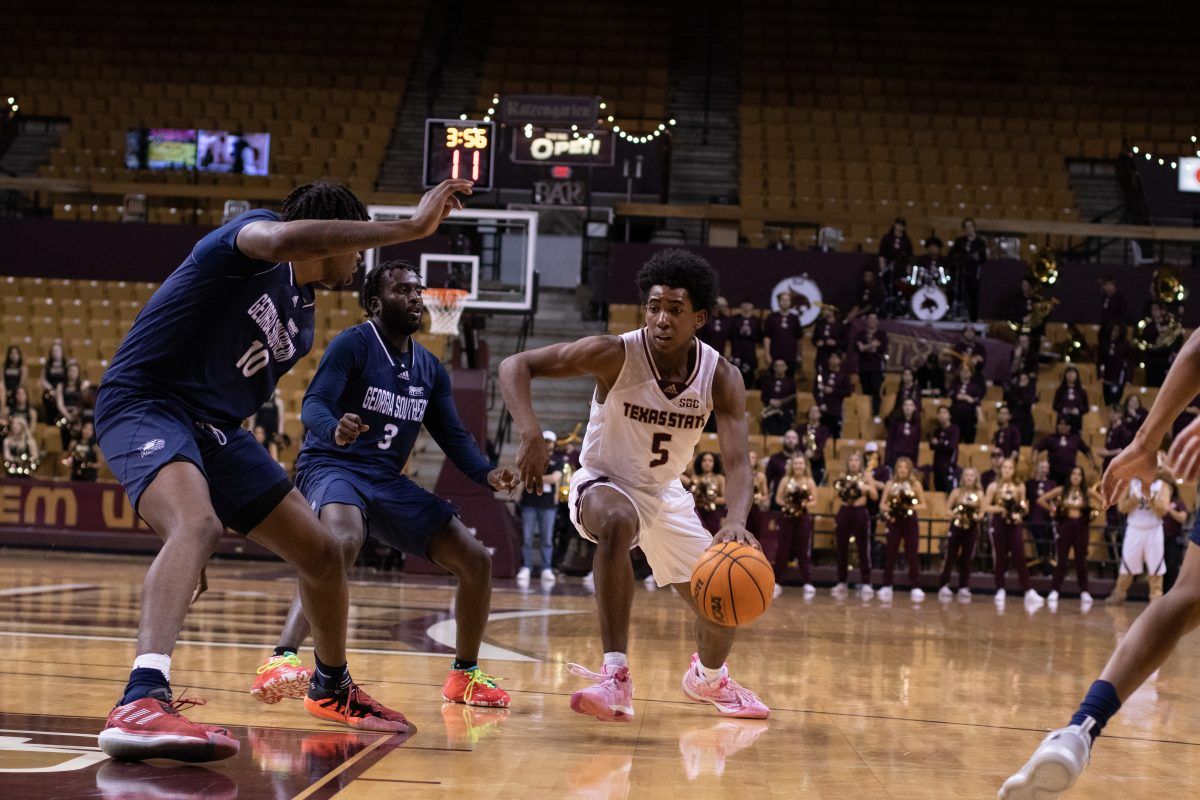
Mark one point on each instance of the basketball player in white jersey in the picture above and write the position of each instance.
(655, 388)
(1143, 549)
(1063, 754)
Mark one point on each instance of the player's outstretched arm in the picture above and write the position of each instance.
(733, 436)
(599, 356)
(1140, 458)
(306, 239)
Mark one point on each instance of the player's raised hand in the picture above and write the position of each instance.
(532, 457)
(349, 428)
(736, 533)
(1183, 458)
(504, 479)
(1135, 461)
(438, 202)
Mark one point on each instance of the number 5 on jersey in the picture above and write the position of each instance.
(661, 456)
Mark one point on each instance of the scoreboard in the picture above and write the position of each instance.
(457, 148)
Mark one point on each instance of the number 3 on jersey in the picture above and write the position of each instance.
(389, 433)
(661, 456)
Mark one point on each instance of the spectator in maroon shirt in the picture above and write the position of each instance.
(777, 463)
(813, 436)
(778, 399)
(1186, 417)
(744, 335)
(907, 390)
(1071, 399)
(1019, 396)
(966, 393)
(1134, 414)
(830, 390)
(944, 444)
(967, 255)
(904, 434)
(989, 475)
(870, 295)
(1114, 363)
(895, 248)
(931, 378)
(1061, 448)
(1024, 358)
(781, 334)
(971, 350)
(1116, 438)
(828, 336)
(1113, 309)
(872, 345)
(1007, 438)
(715, 332)
(1038, 521)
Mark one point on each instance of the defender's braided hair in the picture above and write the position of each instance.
(323, 200)
(374, 281)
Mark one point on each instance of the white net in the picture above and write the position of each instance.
(445, 308)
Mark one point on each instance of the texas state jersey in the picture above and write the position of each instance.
(646, 430)
(219, 333)
(393, 393)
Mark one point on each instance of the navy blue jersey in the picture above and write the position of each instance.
(219, 333)
(393, 393)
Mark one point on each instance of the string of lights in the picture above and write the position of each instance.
(635, 138)
(1162, 160)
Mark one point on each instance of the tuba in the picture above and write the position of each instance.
(1168, 333)
(965, 513)
(1044, 270)
(1166, 286)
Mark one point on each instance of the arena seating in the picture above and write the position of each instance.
(527, 42)
(851, 116)
(325, 84)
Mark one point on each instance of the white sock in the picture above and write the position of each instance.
(708, 674)
(615, 660)
(157, 661)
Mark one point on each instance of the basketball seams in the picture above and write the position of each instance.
(753, 579)
(732, 595)
(759, 573)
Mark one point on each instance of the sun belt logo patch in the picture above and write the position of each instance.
(152, 446)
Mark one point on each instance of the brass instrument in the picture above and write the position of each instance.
(1166, 286)
(795, 499)
(1168, 332)
(1044, 270)
(849, 488)
(965, 513)
(1075, 348)
(705, 491)
(901, 504)
(1041, 310)
(564, 485)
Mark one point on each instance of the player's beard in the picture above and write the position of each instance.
(400, 321)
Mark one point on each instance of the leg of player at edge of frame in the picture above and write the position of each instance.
(453, 548)
(1064, 753)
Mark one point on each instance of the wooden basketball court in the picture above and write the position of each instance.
(869, 701)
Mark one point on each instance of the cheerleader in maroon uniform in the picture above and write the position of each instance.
(966, 510)
(708, 486)
(1005, 501)
(1074, 506)
(796, 496)
(854, 489)
(902, 499)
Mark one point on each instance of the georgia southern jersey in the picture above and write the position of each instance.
(393, 393)
(645, 431)
(220, 332)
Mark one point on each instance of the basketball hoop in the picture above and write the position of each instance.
(445, 308)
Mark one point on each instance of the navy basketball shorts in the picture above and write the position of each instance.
(139, 435)
(396, 511)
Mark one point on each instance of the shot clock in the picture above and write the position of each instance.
(457, 148)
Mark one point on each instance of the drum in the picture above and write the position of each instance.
(929, 304)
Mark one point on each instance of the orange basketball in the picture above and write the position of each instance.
(732, 583)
